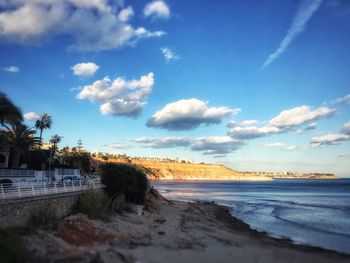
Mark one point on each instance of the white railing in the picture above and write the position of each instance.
(19, 190)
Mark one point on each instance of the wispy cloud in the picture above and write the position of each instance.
(344, 155)
(281, 146)
(306, 10)
(12, 69)
(169, 55)
(342, 100)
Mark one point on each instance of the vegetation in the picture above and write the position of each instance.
(45, 218)
(44, 122)
(126, 180)
(95, 204)
(9, 113)
(11, 247)
(76, 157)
(55, 139)
(20, 139)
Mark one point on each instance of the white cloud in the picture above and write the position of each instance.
(346, 128)
(328, 139)
(165, 142)
(119, 97)
(169, 55)
(300, 115)
(332, 138)
(252, 132)
(85, 69)
(216, 145)
(345, 99)
(285, 121)
(126, 14)
(30, 116)
(281, 145)
(188, 114)
(92, 24)
(211, 145)
(12, 69)
(157, 9)
(120, 146)
(306, 10)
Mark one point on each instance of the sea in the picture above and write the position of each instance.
(309, 212)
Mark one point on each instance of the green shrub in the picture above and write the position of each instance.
(12, 248)
(124, 179)
(95, 204)
(45, 218)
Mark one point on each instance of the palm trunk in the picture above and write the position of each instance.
(41, 135)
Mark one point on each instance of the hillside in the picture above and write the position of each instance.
(168, 171)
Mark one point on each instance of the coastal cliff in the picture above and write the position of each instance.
(193, 171)
(178, 171)
(166, 170)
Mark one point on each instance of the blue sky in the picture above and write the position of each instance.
(256, 85)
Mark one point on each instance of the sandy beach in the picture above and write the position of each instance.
(167, 231)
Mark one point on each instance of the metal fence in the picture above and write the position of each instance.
(20, 190)
(16, 173)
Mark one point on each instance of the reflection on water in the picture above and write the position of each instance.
(314, 212)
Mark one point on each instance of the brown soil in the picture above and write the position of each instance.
(79, 232)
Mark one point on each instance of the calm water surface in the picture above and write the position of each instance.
(313, 212)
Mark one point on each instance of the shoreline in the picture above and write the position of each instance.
(281, 240)
(241, 180)
(169, 231)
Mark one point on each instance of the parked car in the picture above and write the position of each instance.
(69, 180)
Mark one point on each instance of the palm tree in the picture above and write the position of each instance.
(44, 122)
(55, 139)
(9, 113)
(20, 138)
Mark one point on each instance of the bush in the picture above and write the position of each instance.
(12, 248)
(119, 204)
(126, 180)
(94, 204)
(45, 218)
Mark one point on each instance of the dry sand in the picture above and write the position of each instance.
(169, 232)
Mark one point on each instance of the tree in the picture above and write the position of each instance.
(20, 138)
(44, 122)
(80, 145)
(71, 158)
(9, 113)
(55, 139)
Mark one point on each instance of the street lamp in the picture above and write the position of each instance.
(97, 156)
